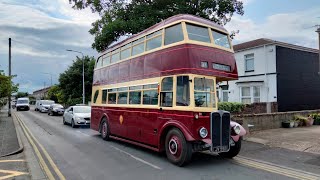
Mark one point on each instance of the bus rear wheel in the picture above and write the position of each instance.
(105, 132)
(178, 150)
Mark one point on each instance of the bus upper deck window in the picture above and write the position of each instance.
(173, 34)
(221, 39)
(198, 33)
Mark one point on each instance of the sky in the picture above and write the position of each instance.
(42, 30)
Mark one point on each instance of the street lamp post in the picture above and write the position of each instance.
(83, 92)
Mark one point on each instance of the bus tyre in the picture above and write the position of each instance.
(234, 150)
(178, 150)
(105, 131)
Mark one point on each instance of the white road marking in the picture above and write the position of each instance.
(136, 158)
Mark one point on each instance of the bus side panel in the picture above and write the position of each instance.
(117, 122)
(95, 121)
(148, 123)
(132, 118)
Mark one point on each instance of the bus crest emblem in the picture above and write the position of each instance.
(121, 119)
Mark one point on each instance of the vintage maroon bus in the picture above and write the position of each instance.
(157, 89)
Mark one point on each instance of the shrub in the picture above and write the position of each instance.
(231, 106)
(315, 116)
(302, 120)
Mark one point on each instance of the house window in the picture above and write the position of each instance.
(250, 94)
(249, 62)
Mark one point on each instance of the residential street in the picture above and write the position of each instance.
(81, 154)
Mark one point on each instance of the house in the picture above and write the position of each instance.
(41, 93)
(274, 72)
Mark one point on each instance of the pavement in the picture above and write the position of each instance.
(304, 139)
(8, 136)
(13, 164)
(80, 153)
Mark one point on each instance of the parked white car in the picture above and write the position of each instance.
(43, 105)
(22, 104)
(77, 116)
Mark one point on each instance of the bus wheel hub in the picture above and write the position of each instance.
(104, 129)
(173, 146)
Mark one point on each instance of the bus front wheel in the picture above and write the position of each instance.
(234, 150)
(105, 132)
(178, 150)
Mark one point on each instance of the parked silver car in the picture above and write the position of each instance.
(43, 105)
(77, 116)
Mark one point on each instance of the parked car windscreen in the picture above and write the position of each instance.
(57, 106)
(22, 101)
(82, 109)
(47, 102)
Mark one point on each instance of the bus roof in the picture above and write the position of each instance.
(166, 22)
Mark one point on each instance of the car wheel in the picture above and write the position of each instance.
(234, 150)
(178, 149)
(73, 125)
(18, 109)
(105, 132)
(64, 121)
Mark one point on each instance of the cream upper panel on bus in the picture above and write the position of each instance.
(173, 34)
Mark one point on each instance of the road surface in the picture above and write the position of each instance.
(81, 154)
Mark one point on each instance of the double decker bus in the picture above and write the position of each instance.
(157, 89)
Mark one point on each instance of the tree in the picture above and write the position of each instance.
(55, 94)
(22, 94)
(123, 17)
(71, 81)
(7, 87)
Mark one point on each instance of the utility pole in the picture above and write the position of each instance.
(318, 31)
(9, 97)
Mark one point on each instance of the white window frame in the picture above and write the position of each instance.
(248, 57)
(252, 97)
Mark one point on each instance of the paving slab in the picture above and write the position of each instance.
(8, 136)
(304, 139)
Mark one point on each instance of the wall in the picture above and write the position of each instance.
(298, 80)
(268, 121)
(264, 72)
(258, 108)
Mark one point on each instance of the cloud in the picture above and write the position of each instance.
(246, 2)
(288, 27)
(41, 31)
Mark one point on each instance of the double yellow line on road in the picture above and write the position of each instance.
(274, 168)
(34, 142)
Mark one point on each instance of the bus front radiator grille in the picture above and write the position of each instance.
(220, 131)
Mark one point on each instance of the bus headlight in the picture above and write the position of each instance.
(236, 129)
(203, 132)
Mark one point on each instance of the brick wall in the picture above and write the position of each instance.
(258, 108)
(268, 120)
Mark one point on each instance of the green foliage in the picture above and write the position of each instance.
(22, 94)
(71, 82)
(122, 17)
(303, 121)
(316, 117)
(55, 94)
(7, 87)
(231, 106)
(3, 102)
